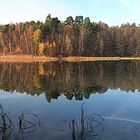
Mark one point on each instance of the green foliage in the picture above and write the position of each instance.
(4, 28)
(78, 20)
(69, 20)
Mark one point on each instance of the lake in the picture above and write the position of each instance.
(70, 101)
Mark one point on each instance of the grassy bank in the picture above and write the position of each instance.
(29, 58)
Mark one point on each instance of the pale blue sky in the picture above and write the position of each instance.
(113, 12)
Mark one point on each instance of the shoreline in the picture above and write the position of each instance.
(29, 58)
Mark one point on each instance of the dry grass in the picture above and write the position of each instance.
(26, 58)
(30, 58)
(82, 59)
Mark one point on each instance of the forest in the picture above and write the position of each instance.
(77, 36)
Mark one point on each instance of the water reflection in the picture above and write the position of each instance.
(56, 91)
(89, 126)
(10, 129)
(78, 80)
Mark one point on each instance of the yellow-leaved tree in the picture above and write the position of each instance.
(37, 38)
(41, 48)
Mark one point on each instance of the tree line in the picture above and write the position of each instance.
(72, 37)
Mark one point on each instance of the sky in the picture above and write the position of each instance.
(112, 12)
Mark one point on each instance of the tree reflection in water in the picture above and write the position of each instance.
(74, 80)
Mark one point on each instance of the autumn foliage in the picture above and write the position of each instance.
(72, 37)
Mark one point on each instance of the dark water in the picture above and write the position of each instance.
(70, 101)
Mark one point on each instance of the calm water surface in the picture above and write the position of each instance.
(70, 101)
